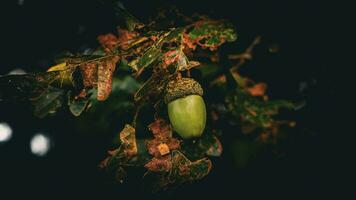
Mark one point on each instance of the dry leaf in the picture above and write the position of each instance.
(258, 89)
(163, 164)
(153, 145)
(189, 42)
(108, 41)
(128, 140)
(163, 149)
(89, 74)
(105, 74)
(163, 141)
(160, 129)
(187, 170)
(125, 37)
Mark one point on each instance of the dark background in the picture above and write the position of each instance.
(37, 30)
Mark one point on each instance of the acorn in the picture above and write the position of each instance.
(186, 107)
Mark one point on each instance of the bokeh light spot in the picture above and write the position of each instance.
(40, 144)
(17, 71)
(5, 132)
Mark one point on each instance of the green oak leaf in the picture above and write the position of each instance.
(48, 102)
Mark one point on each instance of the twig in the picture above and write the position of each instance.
(242, 57)
(246, 55)
(138, 108)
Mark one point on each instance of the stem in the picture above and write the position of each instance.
(246, 55)
(138, 108)
(228, 68)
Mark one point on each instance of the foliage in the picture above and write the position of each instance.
(153, 56)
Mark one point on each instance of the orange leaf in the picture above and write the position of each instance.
(163, 164)
(258, 89)
(105, 74)
(108, 41)
(163, 142)
(89, 74)
(124, 37)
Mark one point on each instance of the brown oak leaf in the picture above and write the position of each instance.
(187, 170)
(163, 149)
(106, 70)
(170, 57)
(162, 141)
(128, 140)
(89, 74)
(187, 41)
(163, 164)
(160, 129)
(124, 38)
(108, 41)
(153, 145)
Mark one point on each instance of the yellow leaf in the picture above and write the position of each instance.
(58, 67)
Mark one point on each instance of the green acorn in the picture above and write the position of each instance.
(186, 107)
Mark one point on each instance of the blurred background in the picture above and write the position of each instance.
(58, 156)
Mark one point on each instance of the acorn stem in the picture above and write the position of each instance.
(138, 108)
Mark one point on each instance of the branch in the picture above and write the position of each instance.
(246, 55)
(242, 58)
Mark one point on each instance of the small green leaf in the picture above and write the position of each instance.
(174, 35)
(154, 52)
(184, 170)
(207, 145)
(48, 102)
(212, 34)
(151, 55)
(252, 109)
(77, 106)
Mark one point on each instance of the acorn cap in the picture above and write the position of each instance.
(181, 88)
